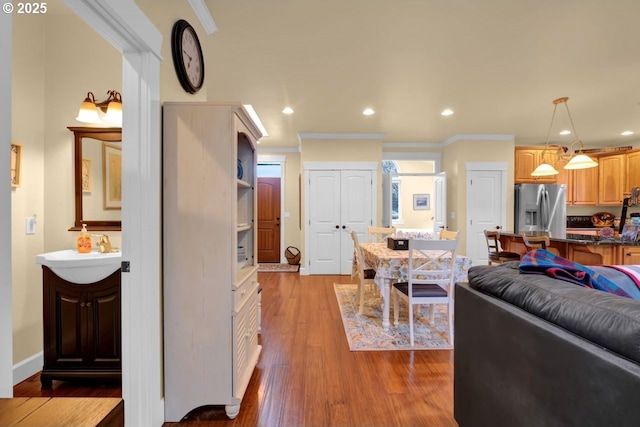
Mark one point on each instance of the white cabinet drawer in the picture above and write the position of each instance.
(242, 294)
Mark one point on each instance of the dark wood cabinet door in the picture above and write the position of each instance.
(104, 327)
(63, 325)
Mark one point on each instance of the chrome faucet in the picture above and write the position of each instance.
(103, 244)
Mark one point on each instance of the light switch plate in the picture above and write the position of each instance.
(30, 225)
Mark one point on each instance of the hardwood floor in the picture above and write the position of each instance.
(307, 376)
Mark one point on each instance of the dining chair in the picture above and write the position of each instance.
(365, 275)
(448, 235)
(431, 280)
(538, 242)
(380, 234)
(496, 255)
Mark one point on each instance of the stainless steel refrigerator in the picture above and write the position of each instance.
(541, 207)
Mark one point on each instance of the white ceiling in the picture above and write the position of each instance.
(497, 64)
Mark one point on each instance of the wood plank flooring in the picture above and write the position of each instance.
(307, 376)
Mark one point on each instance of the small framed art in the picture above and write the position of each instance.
(421, 202)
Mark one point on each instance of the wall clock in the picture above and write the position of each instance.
(187, 56)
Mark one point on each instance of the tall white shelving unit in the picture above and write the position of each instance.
(210, 294)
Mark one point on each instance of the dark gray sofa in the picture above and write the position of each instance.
(534, 351)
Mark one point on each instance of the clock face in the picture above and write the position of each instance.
(187, 56)
(191, 57)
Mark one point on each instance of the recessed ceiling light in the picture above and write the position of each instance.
(368, 112)
(565, 132)
(287, 110)
(627, 133)
(447, 112)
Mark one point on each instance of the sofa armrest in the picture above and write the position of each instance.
(512, 368)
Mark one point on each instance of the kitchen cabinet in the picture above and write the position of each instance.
(81, 329)
(612, 179)
(633, 170)
(527, 159)
(629, 255)
(582, 184)
(210, 256)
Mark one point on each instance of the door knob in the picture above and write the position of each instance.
(344, 226)
(337, 226)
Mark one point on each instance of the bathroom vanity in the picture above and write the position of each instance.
(82, 317)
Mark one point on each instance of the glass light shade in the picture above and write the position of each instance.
(88, 112)
(581, 161)
(545, 169)
(114, 113)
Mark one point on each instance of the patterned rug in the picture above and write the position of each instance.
(278, 268)
(364, 331)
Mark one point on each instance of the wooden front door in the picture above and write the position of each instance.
(269, 219)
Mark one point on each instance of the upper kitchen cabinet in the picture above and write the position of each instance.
(633, 170)
(582, 184)
(612, 172)
(527, 159)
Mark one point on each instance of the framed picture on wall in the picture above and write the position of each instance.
(421, 202)
(16, 160)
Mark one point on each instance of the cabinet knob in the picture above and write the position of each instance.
(628, 253)
(83, 304)
(88, 303)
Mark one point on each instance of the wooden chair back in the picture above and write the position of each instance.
(448, 235)
(380, 234)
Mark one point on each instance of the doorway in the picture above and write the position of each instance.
(486, 205)
(338, 198)
(269, 220)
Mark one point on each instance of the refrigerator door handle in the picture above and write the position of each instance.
(544, 210)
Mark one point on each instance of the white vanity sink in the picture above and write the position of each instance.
(80, 268)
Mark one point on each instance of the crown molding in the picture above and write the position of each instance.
(204, 15)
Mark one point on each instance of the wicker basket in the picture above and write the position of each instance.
(293, 255)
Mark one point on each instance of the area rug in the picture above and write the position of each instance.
(364, 331)
(278, 268)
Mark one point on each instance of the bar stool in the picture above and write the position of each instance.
(538, 242)
(496, 255)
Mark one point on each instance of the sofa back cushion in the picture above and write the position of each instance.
(602, 318)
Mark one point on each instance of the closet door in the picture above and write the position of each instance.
(355, 211)
(339, 201)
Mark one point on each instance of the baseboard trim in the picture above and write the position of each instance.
(27, 367)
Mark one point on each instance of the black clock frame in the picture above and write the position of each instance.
(178, 61)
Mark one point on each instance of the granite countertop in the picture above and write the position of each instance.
(584, 239)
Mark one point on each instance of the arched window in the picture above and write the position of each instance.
(389, 166)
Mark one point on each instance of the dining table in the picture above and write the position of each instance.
(392, 266)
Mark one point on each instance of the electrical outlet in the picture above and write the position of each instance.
(30, 227)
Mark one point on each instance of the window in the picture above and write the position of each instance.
(391, 167)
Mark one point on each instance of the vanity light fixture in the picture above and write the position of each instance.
(368, 112)
(109, 110)
(577, 159)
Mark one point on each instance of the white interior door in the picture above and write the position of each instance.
(355, 211)
(339, 201)
(440, 207)
(324, 222)
(486, 209)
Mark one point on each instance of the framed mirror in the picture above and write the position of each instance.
(97, 178)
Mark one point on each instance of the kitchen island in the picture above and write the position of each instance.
(581, 248)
